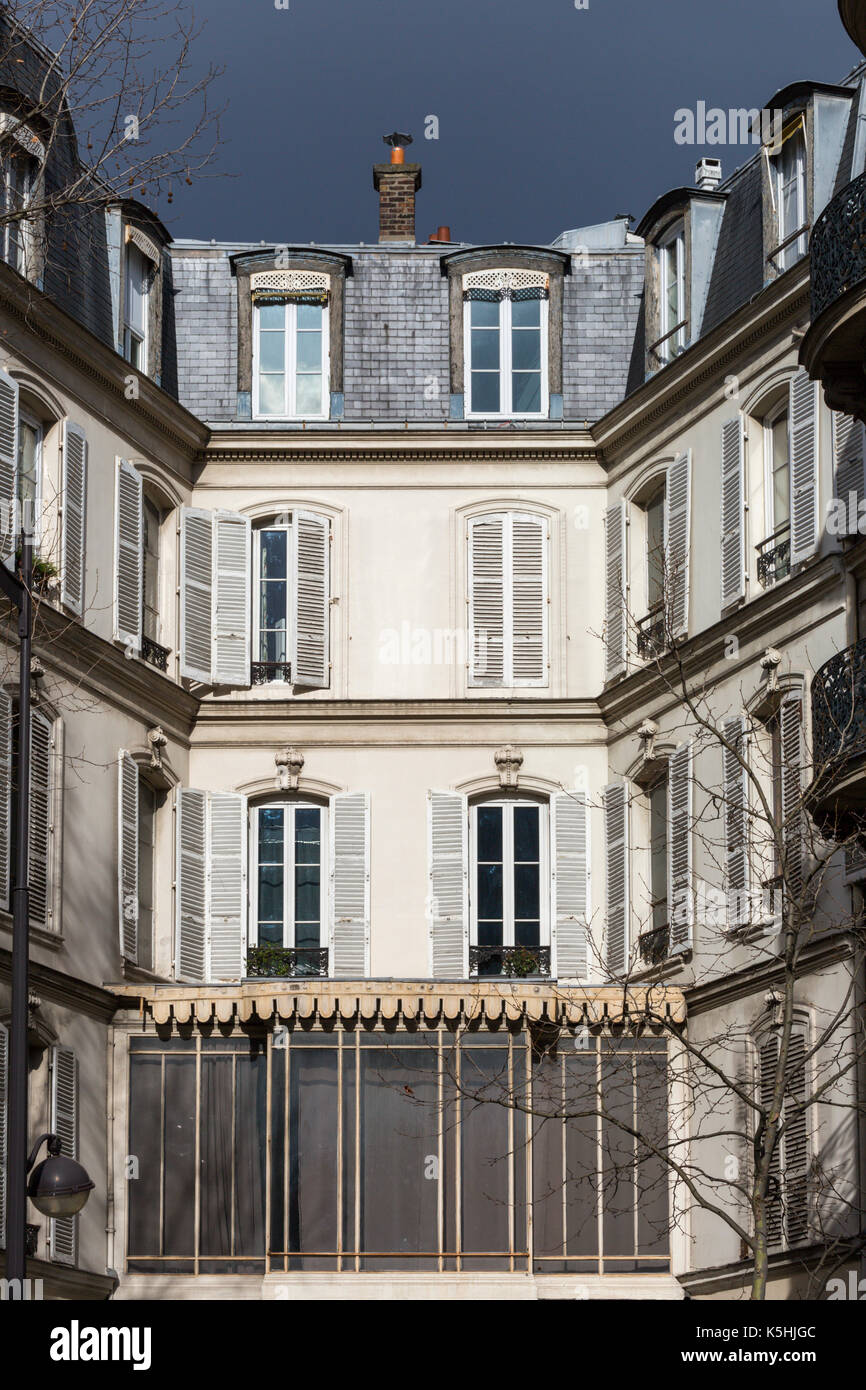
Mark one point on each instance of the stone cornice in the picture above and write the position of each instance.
(742, 984)
(395, 446)
(66, 990)
(331, 713)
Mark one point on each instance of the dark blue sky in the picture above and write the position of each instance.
(549, 117)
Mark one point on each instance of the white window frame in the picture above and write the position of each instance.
(21, 228)
(545, 883)
(505, 383)
(285, 805)
(25, 418)
(674, 242)
(289, 528)
(290, 364)
(795, 250)
(768, 423)
(129, 331)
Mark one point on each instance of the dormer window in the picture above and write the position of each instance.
(290, 355)
(138, 274)
(505, 338)
(789, 187)
(21, 157)
(672, 297)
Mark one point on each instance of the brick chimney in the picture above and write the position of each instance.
(397, 183)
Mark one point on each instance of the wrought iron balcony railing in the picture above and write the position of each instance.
(838, 258)
(839, 710)
(264, 672)
(281, 962)
(654, 947)
(651, 640)
(154, 654)
(774, 558)
(514, 962)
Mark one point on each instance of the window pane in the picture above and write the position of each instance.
(489, 833)
(526, 350)
(659, 854)
(275, 554)
(273, 603)
(272, 394)
(526, 313)
(273, 646)
(526, 891)
(272, 316)
(28, 464)
(307, 894)
(485, 313)
(307, 835)
(271, 893)
(526, 392)
(781, 473)
(655, 529)
(309, 395)
(489, 891)
(310, 317)
(309, 352)
(485, 392)
(271, 834)
(490, 934)
(526, 824)
(272, 352)
(527, 933)
(485, 349)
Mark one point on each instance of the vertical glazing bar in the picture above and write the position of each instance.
(634, 1117)
(511, 1158)
(458, 1152)
(197, 1180)
(599, 1158)
(357, 1226)
(162, 1154)
(440, 1147)
(232, 1194)
(340, 1197)
(268, 1153)
(564, 1134)
(530, 1227)
(287, 1134)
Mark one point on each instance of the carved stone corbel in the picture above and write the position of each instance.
(290, 765)
(509, 761)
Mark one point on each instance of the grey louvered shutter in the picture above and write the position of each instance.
(227, 885)
(677, 543)
(310, 655)
(570, 835)
(768, 1060)
(127, 856)
(680, 886)
(196, 594)
(191, 893)
(63, 1231)
(791, 728)
(350, 885)
(616, 848)
(487, 599)
(733, 512)
(4, 1126)
(128, 555)
(736, 790)
(74, 518)
(9, 519)
(448, 882)
(529, 600)
(5, 798)
(796, 1142)
(849, 461)
(40, 819)
(231, 621)
(616, 592)
(804, 466)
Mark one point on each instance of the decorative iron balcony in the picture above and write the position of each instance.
(281, 962)
(264, 672)
(774, 558)
(838, 260)
(654, 947)
(154, 654)
(839, 711)
(514, 962)
(651, 640)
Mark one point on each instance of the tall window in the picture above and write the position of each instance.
(290, 360)
(29, 469)
(509, 853)
(152, 521)
(138, 278)
(289, 877)
(658, 826)
(18, 174)
(774, 553)
(272, 638)
(506, 349)
(148, 800)
(655, 550)
(672, 295)
(790, 177)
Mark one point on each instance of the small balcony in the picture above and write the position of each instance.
(271, 672)
(654, 947)
(509, 962)
(287, 962)
(774, 558)
(832, 350)
(651, 639)
(837, 796)
(154, 654)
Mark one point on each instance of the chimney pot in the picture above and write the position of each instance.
(708, 175)
(397, 183)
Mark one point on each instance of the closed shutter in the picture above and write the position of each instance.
(9, 520)
(849, 460)
(231, 619)
(529, 603)
(735, 780)
(196, 595)
(616, 847)
(227, 885)
(791, 724)
(768, 1058)
(804, 466)
(40, 819)
(74, 517)
(680, 888)
(733, 512)
(678, 538)
(350, 885)
(487, 599)
(128, 558)
(796, 1143)
(4, 1126)
(616, 592)
(312, 567)
(5, 798)
(63, 1231)
(448, 880)
(127, 856)
(191, 895)
(571, 910)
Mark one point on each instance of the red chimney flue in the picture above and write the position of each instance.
(441, 234)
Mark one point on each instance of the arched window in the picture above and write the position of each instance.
(509, 888)
(288, 879)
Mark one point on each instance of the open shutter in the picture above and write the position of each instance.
(737, 877)
(791, 722)
(768, 1059)
(5, 798)
(350, 885)
(849, 460)
(796, 1143)
(127, 856)
(678, 538)
(4, 1126)
(312, 568)
(487, 600)
(8, 468)
(570, 833)
(733, 512)
(231, 620)
(128, 558)
(804, 466)
(191, 894)
(40, 819)
(196, 595)
(74, 516)
(616, 591)
(680, 888)
(529, 605)
(63, 1232)
(616, 857)
(227, 885)
(448, 881)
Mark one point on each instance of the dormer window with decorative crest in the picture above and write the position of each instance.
(290, 337)
(22, 155)
(505, 341)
